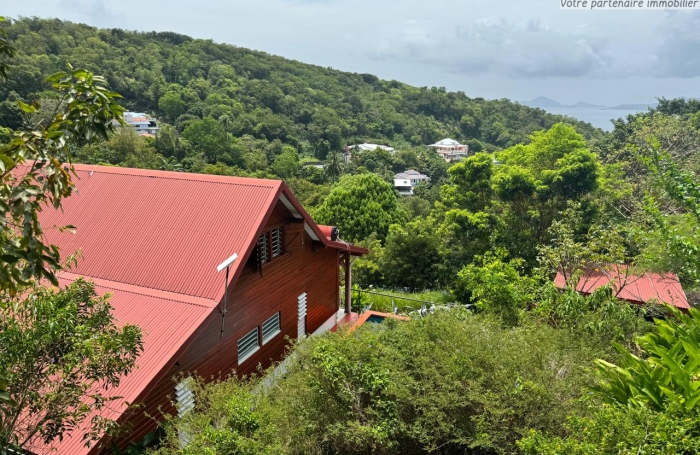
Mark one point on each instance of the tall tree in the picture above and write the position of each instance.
(333, 166)
(225, 120)
(361, 205)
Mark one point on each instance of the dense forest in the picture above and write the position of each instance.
(504, 362)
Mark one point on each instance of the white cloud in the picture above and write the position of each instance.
(526, 49)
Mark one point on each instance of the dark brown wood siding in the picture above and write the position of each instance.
(304, 267)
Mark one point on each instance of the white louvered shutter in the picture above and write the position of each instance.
(184, 403)
(301, 301)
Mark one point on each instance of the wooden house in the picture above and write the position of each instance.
(217, 271)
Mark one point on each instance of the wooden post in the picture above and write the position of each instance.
(348, 284)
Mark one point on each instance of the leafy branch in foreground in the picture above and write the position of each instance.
(60, 353)
(35, 170)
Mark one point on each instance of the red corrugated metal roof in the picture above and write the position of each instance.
(634, 288)
(167, 321)
(160, 230)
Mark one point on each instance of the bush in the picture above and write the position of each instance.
(452, 382)
(623, 431)
(599, 316)
(495, 286)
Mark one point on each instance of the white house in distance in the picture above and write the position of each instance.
(450, 150)
(347, 154)
(143, 124)
(406, 181)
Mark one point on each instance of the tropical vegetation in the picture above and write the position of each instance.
(501, 362)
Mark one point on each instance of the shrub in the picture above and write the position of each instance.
(452, 382)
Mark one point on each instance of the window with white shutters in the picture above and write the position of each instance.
(271, 327)
(262, 243)
(277, 241)
(248, 345)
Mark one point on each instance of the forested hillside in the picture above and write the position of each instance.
(184, 81)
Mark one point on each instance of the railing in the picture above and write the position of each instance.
(361, 302)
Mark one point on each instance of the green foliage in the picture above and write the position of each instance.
(227, 419)
(286, 164)
(361, 205)
(615, 430)
(84, 114)
(496, 286)
(667, 375)
(59, 351)
(171, 105)
(206, 136)
(448, 383)
(369, 270)
(676, 235)
(7, 51)
(415, 206)
(398, 299)
(184, 79)
(576, 255)
(510, 201)
(411, 257)
(599, 316)
(333, 166)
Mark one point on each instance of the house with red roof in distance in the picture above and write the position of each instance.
(217, 271)
(630, 285)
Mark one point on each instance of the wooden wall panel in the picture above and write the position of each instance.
(304, 267)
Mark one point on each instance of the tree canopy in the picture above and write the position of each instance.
(360, 205)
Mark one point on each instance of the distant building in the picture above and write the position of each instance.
(347, 153)
(143, 124)
(451, 150)
(405, 182)
(403, 186)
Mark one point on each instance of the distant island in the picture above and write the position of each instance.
(543, 102)
(632, 107)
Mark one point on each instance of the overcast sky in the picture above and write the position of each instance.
(514, 49)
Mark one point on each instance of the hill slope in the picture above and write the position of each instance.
(316, 109)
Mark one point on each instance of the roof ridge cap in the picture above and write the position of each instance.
(142, 290)
(174, 175)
